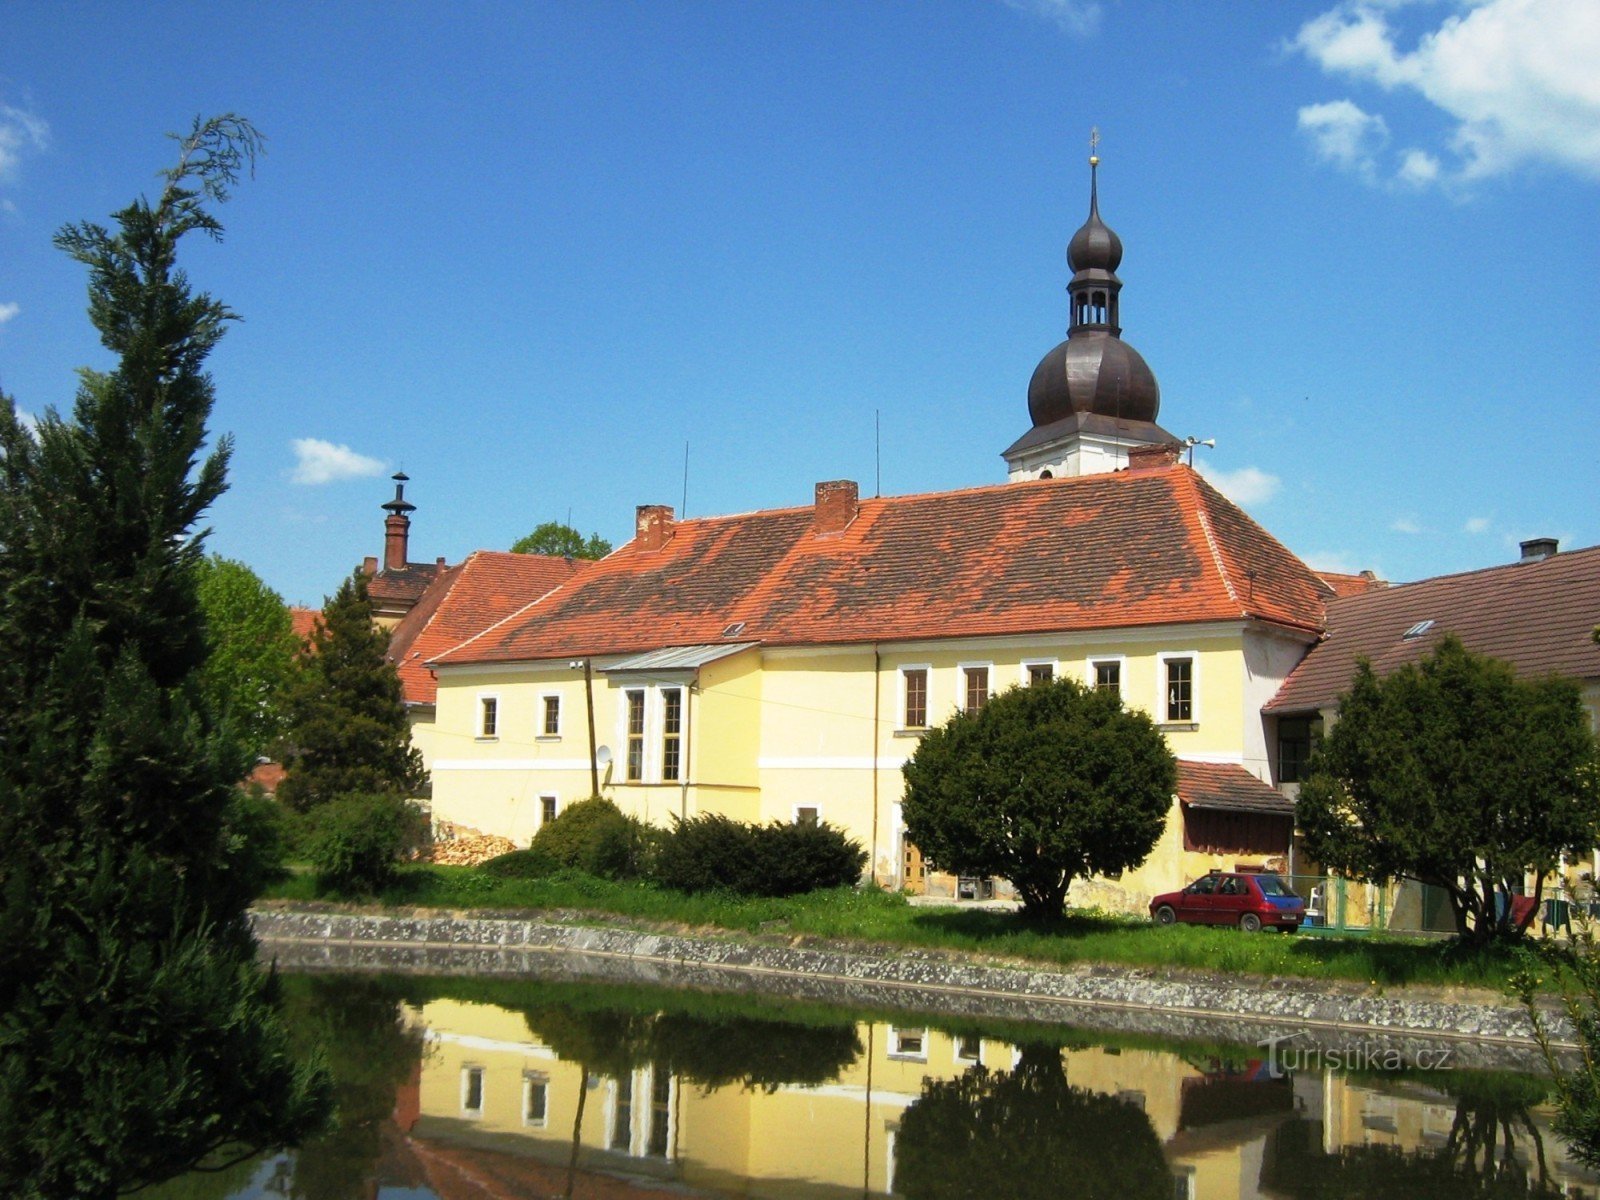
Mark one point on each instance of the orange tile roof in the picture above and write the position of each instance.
(466, 599)
(1096, 552)
(1538, 616)
(1350, 585)
(304, 621)
(1228, 787)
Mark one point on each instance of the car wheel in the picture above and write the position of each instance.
(1250, 923)
(1165, 915)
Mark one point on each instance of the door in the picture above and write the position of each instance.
(913, 875)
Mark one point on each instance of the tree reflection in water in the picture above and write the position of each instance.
(1026, 1133)
(1493, 1151)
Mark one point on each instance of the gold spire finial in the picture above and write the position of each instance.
(1094, 145)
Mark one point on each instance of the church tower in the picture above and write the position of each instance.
(1092, 398)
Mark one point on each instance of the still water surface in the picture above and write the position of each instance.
(484, 1090)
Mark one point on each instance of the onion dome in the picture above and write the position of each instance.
(1094, 371)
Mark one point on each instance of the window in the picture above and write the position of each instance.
(806, 817)
(635, 763)
(908, 1043)
(1106, 674)
(622, 1117)
(488, 716)
(969, 1048)
(535, 1097)
(1297, 738)
(547, 809)
(472, 1091)
(1034, 673)
(550, 724)
(1180, 689)
(914, 697)
(671, 734)
(660, 1114)
(975, 690)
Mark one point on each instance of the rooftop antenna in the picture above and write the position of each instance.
(1189, 443)
(877, 452)
(683, 510)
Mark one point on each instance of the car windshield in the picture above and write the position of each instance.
(1271, 885)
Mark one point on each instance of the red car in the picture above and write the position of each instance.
(1249, 901)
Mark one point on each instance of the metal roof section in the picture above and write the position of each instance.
(677, 658)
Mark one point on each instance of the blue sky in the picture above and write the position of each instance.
(526, 252)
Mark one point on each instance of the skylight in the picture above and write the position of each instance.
(734, 630)
(1417, 630)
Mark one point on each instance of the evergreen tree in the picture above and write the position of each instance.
(137, 1035)
(348, 734)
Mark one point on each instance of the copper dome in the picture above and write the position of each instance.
(1095, 246)
(1093, 372)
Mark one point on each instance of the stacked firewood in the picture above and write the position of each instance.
(458, 846)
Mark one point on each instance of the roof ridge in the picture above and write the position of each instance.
(490, 628)
(1204, 518)
(1513, 565)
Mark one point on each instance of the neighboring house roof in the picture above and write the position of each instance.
(1539, 616)
(304, 621)
(1350, 585)
(1149, 547)
(1228, 787)
(464, 600)
(403, 585)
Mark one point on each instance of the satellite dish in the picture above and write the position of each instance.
(603, 755)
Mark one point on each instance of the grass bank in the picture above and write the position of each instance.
(879, 917)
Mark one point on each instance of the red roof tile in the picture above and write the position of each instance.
(304, 621)
(465, 600)
(1228, 787)
(403, 585)
(1095, 552)
(1350, 585)
(1538, 616)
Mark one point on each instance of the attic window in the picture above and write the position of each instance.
(1417, 630)
(734, 630)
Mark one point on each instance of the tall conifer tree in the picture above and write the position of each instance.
(348, 733)
(137, 1035)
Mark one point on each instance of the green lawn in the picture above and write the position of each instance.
(879, 917)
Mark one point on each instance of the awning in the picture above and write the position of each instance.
(677, 658)
(1228, 787)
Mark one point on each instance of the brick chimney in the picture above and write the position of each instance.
(397, 526)
(369, 565)
(1537, 549)
(652, 525)
(1153, 458)
(838, 501)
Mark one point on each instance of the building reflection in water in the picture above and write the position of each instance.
(557, 1100)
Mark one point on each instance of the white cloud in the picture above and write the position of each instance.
(317, 461)
(28, 421)
(1244, 487)
(1337, 562)
(1404, 525)
(20, 132)
(7, 311)
(1080, 18)
(1343, 134)
(1476, 525)
(1516, 78)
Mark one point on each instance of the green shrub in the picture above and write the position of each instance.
(356, 843)
(522, 864)
(257, 832)
(709, 852)
(595, 836)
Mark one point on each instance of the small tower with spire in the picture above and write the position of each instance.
(397, 525)
(1093, 397)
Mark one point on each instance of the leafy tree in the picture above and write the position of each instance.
(251, 649)
(1455, 773)
(1042, 786)
(1026, 1133)
(137, 1035)
(348, 734)
(557, 539)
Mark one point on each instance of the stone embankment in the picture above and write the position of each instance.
(1480, 1028)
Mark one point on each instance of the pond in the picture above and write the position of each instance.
(462, 1089)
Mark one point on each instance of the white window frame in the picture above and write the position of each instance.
(468, 1070)
(961, 682)
(657, 730)
(531, 1080)
(1093, 662)
(555, 803)
(541, 734)
(1162, 659)
(478, 715)
(623, 733)
(959, 1047)
(1024, 679)
(927, 699)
